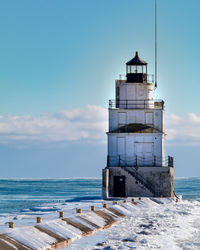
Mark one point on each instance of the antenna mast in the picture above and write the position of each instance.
(156, 47)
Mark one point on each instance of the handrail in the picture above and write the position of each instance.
(176, 195)
(149, 78)
(141, 179)
(136, 161)
(136, 104)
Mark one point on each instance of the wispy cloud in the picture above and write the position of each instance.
(85, 124)
(89, 123)
(183, 130)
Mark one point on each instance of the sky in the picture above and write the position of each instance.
(58, 65)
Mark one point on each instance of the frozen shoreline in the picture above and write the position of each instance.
(46, 198)
(157, 223)
(151, 225)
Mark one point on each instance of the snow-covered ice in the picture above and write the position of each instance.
(157, 223)
(63, 229)
(152, 224)
(32, 237)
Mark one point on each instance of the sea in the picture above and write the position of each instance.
(21, 200)
(17, 195)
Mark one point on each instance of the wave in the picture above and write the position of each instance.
(84, 198)
(51, 179)
(186, 178)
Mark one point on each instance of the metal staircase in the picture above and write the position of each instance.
(133, 172)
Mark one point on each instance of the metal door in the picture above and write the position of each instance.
(119, 186)
(121, 119)
(148, 153)
(121, 150)
(139, 153)
(144, 153)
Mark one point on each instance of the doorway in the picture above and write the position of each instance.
(119, 186)
(144, 152)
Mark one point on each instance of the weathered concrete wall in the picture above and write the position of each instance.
(153, 117)
(160, 178)
(105, 182)
(128, 149)
(135, 91)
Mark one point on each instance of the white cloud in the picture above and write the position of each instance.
(85, 124)
(183, 130)
(89, 123)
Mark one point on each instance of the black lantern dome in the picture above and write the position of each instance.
(136, 70)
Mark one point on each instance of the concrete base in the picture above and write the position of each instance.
(138, 182)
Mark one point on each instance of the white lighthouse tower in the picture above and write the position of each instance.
(136, 161)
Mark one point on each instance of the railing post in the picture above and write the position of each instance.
(119, 161)
(11, 224)
(110, 104)
(162, 104)
(39, 220)
(108, 161)
(154, 160)
(79, 211)
(170, 161)
(126, 103)
(117, 103)
(61, 214)
(136, 161)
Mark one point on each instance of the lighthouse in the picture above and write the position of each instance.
(136, 162)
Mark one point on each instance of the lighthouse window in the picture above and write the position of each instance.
(134, 69)
(139, 69)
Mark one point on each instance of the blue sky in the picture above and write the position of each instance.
(57, 57)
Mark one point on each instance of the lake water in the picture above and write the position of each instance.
(18, 195)
(22, 200)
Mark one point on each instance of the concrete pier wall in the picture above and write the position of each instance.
(139, 181)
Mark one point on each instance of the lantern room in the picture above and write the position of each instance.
(136, 70)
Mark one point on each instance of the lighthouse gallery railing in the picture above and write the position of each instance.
(136, 104)
(148, 78)
(137, 161)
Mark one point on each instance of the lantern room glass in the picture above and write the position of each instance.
(134, 69)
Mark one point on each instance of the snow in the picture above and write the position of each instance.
(157, 223)
(63, 229)
(153, 223)
(31, 237)
(79, 220)
(94, 218)
(121, 210)
(115, 217)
